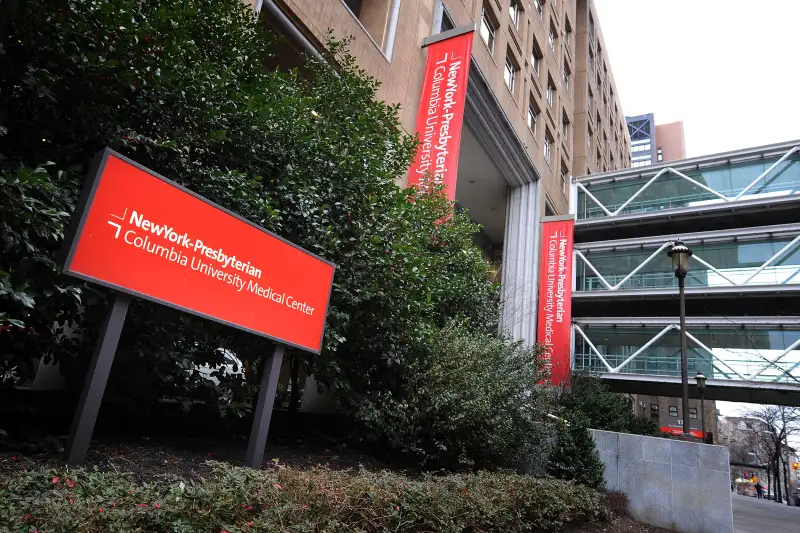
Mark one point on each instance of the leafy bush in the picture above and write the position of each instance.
(574, 456)
(473, 400)
(182, 88)
(600, 408)
(283, 499)
(42, 307)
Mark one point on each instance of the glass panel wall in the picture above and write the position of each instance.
(671, 191)
(734, 350)
(736, 261)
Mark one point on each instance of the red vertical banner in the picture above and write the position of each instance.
(555, 297)
(441, 113)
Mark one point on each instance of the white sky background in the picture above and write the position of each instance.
(727, 68)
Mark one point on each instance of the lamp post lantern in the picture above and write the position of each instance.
(680, 254)
(701, 386)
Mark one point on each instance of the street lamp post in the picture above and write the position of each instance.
(701, 386)
(680, 254)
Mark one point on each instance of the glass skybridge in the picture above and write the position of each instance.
(737, 177)
(764, 349)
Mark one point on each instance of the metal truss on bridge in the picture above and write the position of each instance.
(742, 195)
(724, 361)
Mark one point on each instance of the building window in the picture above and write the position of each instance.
(588, 139)
(447, 22)
(550, 91)
(660, 155)
(654, 407)
(567, 33)
(488, 29)
(514, 12)
(548, 140)
(551, 38)
(533, 114)
(536, 58)
(591, 27)
(563, 178)
(565, 74)
(538, 5)
(599, 158)
(375, 18)
(673, 411)
(564, 123)
(510, 72)
(693, 412)
(590, 102)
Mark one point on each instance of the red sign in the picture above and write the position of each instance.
(441, 114)
(679, 431)
(142, 234)
(555, 297)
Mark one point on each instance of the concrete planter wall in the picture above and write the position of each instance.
(683, 486)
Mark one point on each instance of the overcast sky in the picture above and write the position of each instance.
(727, 68)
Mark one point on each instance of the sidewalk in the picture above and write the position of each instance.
(751, 515)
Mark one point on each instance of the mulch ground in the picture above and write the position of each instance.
(150, 459)
(154, 458)
(624, 525)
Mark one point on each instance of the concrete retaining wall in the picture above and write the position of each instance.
(683, 486)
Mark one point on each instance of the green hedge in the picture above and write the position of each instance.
(290, 500)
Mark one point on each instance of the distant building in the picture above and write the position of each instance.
(654, 143)
(670, 142)
(665, 411)
(740, 435)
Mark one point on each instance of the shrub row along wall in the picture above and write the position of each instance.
(285, 499)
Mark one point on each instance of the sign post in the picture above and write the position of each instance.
(145, 236)
(554, 319)
(270, 371)
(95, 384)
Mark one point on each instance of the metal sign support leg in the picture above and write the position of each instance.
(95, 384)
(271, 370)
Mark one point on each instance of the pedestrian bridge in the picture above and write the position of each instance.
(746, 359)
(739, 212)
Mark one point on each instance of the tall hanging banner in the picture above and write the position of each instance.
(555, 296)
(441, 111)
